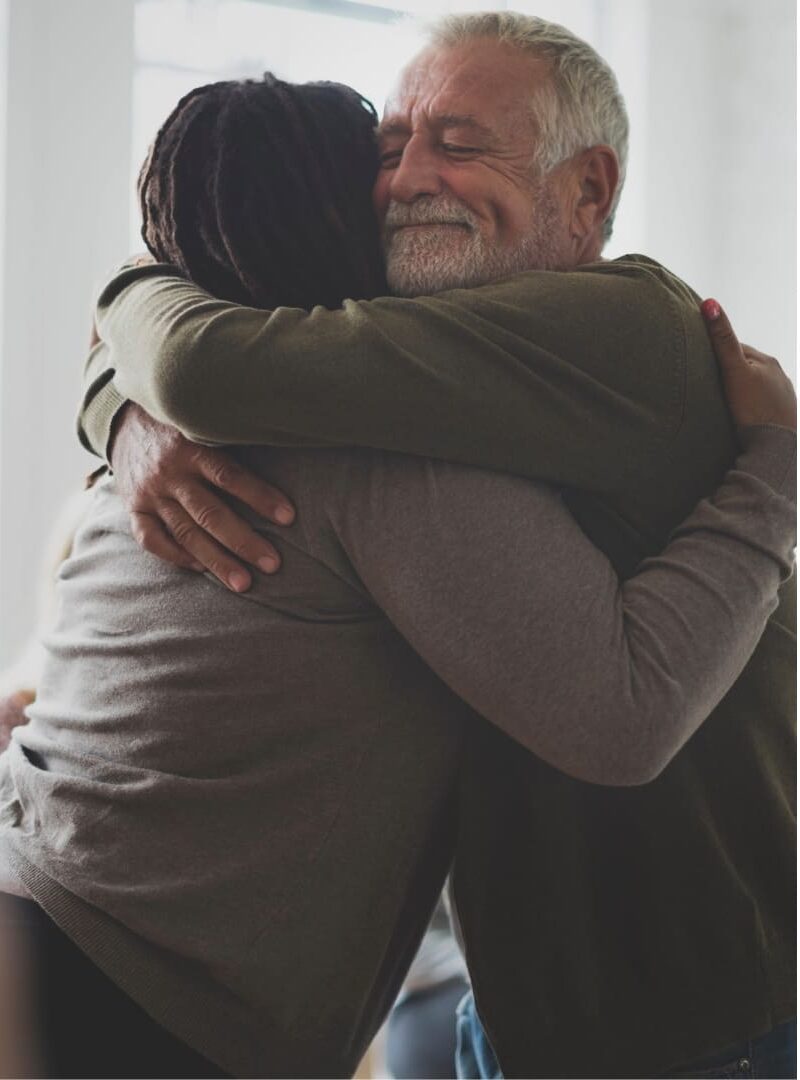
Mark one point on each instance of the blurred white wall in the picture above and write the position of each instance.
(721, 159)
(4, 21)
(67, 146)
(711, 188)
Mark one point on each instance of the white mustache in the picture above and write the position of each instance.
(434, 212)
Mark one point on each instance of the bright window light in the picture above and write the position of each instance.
(181, 44)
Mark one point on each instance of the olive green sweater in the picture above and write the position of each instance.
(608, 932)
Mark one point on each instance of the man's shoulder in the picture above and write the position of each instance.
(650, 303)
(624, 297)
(647, 272)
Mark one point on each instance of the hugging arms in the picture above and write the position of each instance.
(249, 357)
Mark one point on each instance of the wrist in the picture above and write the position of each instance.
(769, 452)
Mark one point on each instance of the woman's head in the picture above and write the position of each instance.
(260, 190)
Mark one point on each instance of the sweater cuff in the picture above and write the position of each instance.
(769, 453)
(98, 417)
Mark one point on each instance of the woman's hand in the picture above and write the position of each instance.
(756, 387)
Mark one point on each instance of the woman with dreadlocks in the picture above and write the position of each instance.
(238, 810)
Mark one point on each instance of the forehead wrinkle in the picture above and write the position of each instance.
(438, 89)
(454, 120)
(450, 72)
(421, 83)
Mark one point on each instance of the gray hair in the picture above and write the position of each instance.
(581, 106)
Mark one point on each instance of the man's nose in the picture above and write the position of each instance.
(417, 173)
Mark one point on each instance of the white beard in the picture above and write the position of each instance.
(450, 252)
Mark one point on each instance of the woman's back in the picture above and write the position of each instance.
(247, 796)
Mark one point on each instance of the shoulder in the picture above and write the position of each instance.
(641, 268)
(633, 286)
(643, 290)
(602, 305)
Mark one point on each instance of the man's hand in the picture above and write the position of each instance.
(12, 713)
(167, 485)
(757, 389)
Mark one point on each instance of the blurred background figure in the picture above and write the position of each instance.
(421, 1036)
(12, 712)
(17, 1044)
(18, 682)
(18, 1053)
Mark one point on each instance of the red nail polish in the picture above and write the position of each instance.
(711, 310)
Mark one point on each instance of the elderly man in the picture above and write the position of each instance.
(631, 932)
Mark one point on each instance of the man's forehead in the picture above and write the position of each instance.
(467, 85)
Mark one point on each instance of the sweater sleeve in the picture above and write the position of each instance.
(526, 375)
(100, 403)
(492, 582)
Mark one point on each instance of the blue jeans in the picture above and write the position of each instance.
(421, 1034)
(772, 1056)
(475, 1058)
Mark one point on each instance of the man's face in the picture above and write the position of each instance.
(457, 190)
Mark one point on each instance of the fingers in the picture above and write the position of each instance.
(228, 475)
(186, 545)
(150, 534)
(756, 388)
(221, 523)
(726, 344)
(203, 548)
(178, 492)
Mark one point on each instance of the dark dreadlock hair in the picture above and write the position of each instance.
(261, 192)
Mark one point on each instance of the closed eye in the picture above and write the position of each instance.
(390, 158)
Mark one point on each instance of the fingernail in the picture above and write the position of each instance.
(284, 515)
(268, 563)
(711, 310)
(239, 581)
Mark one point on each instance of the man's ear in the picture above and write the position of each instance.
(596, 178)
